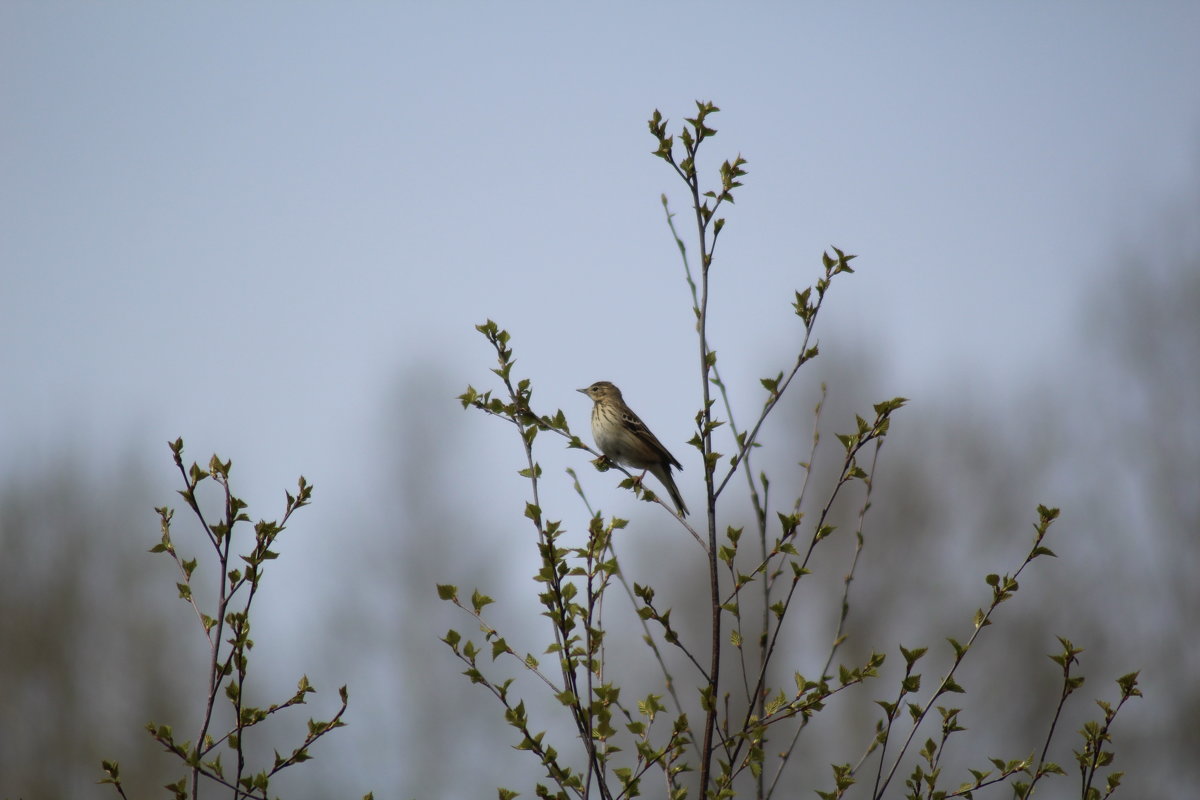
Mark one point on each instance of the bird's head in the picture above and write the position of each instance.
(601, 390)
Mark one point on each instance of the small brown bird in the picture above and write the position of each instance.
(624, 438)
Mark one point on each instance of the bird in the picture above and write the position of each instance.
(623, 437)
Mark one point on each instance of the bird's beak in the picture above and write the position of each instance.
(582, 391)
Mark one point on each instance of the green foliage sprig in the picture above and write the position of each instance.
(227, 633)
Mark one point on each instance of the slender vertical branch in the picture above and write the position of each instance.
(687, 170)
(840, 633)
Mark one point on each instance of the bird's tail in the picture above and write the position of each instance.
(663, 473)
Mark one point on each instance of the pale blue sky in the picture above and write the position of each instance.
(240, 223)
(219, 220)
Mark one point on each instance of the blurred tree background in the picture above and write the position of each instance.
(93, 643)
(91, 647)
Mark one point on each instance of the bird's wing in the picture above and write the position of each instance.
(635, 425)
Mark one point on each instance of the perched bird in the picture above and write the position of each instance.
(624, 438)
